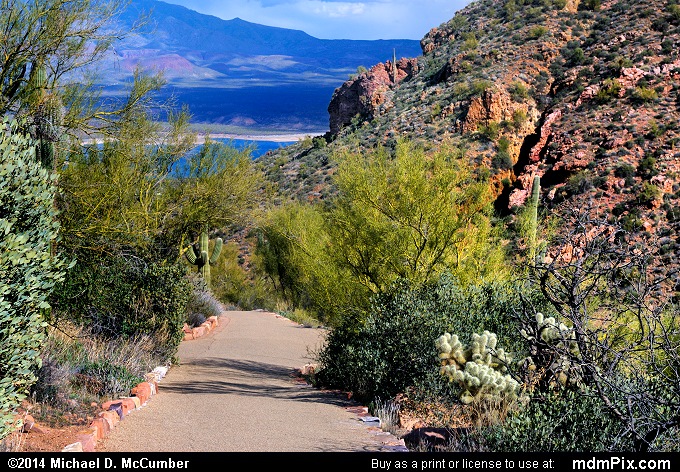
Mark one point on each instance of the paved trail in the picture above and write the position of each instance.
(234, 392)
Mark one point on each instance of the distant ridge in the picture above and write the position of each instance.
(210, 63)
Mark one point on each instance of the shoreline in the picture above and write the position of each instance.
(275, 138)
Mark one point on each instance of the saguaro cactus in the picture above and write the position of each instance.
(394, 66)
(198, 255)
(533, 219)
(46, 112)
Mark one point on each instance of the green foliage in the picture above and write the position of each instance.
(293, 244)
(52, 38)
(626, 172)
(218, 187)
(113, 196)
(647, 168)
(590, 5)
(391, 350)
(537, 32)
(490, 131)
(519, 117)
(126, 295)
(502, 160)
(241, 284)
(610, 89)
(480, 86)
(470, 43)
(518, 91)
(532, 209)
(649, 193)
(528, 227)
(558, 422)
(28, 268)
(645, 94)
(410, 215)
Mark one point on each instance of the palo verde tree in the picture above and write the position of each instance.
(217, 188)
(47, 50)
(411, 215)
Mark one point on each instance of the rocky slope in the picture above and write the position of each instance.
(583, 94)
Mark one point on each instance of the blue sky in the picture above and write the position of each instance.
(337, 19)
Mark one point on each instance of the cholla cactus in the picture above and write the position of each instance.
(479, 370)
(546, 338)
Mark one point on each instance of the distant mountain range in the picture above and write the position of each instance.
(238, 73)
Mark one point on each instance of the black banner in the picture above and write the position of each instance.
(350, 461)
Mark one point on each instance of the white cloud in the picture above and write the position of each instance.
(338, 19)
(339, 10)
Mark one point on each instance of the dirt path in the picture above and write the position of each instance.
(235, 392)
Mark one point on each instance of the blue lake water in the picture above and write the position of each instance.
(259, 147)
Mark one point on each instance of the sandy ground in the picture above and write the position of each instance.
(276, 138)
(201, 137)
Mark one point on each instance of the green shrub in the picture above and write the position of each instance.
(126, 295)
(610, 89)
(647, 168)
(537, 31)
(519, 117)
(28, 270)
(558, 422)
(518, 91)
(645, 94)
(392, 350)
(648, 194)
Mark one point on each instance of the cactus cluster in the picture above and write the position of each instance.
(480, 369)
(198, 255)
(547, 337)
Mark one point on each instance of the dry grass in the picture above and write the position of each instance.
(388, 412)
(80, 368)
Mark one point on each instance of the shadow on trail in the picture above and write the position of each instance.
(249, 378)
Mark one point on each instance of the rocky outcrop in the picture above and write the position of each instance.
(363, 95)
(493, 105)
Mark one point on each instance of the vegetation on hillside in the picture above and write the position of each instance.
(444, 294)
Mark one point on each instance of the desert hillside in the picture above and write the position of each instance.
(582, 94)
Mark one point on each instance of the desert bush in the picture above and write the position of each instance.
(124, 296)
(28, 269)
(240, 283)
(293, 244)
(567, 421)
(392, 350)
(202, 303)
(518, 91)
(79, 364)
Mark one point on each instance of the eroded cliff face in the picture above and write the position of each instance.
(363, 95)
